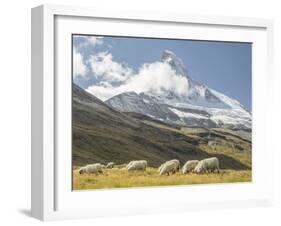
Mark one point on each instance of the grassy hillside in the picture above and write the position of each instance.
(225, 145)
(102, 134)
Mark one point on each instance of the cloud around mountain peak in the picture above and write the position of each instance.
(114, 78)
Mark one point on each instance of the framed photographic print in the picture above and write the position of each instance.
(136, 113)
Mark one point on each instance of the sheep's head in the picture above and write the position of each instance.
(198, 169)
(81, 171)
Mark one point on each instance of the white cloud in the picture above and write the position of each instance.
(104, 91)
(155, 77)
(93, 41)
(103, 66)
(158, 77)
(79, 68)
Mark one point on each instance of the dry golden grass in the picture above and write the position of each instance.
(121, 178)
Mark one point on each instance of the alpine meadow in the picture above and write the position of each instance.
(160, 112)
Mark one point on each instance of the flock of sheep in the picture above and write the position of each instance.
(169, 167)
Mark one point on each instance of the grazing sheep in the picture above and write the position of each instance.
(93, 168)
(171, 166)
(131, 163)
(189, 166)
(137, 165)
(207, 165)
(160, 167)
(110, 165)
(173, 160)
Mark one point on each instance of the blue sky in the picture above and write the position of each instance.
(223, 66)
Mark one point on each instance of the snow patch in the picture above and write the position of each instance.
(146, 101)
(183, 114)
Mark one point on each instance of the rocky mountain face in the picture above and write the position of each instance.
(200, 106)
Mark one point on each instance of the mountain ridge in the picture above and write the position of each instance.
(214, 109)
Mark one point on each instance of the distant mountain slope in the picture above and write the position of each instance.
(199, 106)
(102, 134)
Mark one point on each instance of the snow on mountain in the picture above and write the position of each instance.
(183, 114)
(175, 62)
(199, 106)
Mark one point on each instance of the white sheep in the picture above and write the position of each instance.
(171, 166)
(110, 165)
(137, 165)
(160, 167)
(189, 166)
(92, 168)
(131, 163)
(173, 160)
(207, 165)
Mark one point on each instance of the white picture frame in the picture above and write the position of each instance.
(52, 198)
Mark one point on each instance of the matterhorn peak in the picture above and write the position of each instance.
(175, 62)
